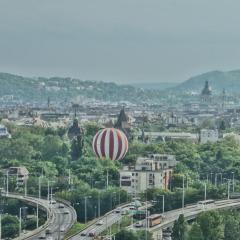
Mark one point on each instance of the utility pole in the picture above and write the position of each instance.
(163, 203)
(37, 217)
(233, 182)
(205, 191)
(48, 183)
(39, 187)
(69, 177)
(25, 194)
(20, 220)
(146, 209)
(221, 177)
(7, 182)
(107, 179)
(228, 189)
(99, 205)
(0, 225)
(183, 195)
(85, 207)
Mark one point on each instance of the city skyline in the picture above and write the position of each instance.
(123, 42)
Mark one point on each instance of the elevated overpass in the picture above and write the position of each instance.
(59, 219)
(190, 212)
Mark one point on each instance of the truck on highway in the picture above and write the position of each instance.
(154, 220)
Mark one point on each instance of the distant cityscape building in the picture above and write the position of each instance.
(206, 92)
(75, 130)
(154, 171)
(208, 135)
(123, 123)
(165, 136)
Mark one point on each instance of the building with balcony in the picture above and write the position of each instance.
(21, 174)
(154, 171)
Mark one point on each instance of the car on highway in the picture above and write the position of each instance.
(118, 210)
(48, 231)
(100, 223)
(132, 207)
(49, 238)
(42, 236)
(92, 234)
(52, 201)
(66, 212)
(61, 205)
(138, 225)
(83, 234)
(62, 229)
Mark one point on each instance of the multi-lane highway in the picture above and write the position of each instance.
(105, 222)
(190, 212)
(61, 216)
(100, 225)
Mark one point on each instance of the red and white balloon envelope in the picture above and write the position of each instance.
(110, 143)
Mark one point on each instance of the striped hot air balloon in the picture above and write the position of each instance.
(110, 143)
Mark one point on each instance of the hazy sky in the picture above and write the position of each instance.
(119, 40)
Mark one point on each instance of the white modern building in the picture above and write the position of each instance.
(208, 135)
(154, 171)
(4, 132)
(21, 174)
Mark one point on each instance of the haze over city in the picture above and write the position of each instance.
(121, 41)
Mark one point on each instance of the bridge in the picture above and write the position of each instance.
(61, 217)
(190, 212)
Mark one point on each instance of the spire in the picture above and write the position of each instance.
(207, 91)
(121, 118)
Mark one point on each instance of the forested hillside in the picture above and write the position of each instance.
(61, 89)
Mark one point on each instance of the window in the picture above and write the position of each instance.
(125, 183)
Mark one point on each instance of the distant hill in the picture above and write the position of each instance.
(60, 89)
(230, 81)
(155, 85)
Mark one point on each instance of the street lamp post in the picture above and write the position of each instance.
(85, 207)
(107, 180)
(48, 186)
(39, 187)
(228, 189)
(95, 211)
(0, 225)
(7, 183)
(221, 177)
(69, 177)
(37, 216)
(233, 182)
(183, 194)
(216, 174)
(99, 205)
(20, 220)
(49, 194)
(205, 191)
(25, 192)
(163, 203)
